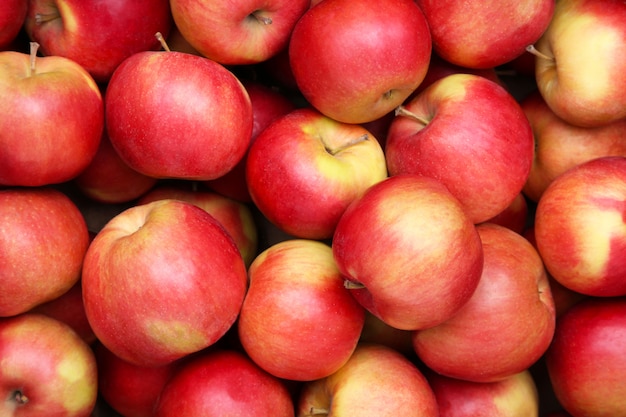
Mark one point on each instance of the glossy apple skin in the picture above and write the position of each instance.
(377, 381)
(305, 169)
(220, 383)
(560, 145)
(299, 275)
(515, 396)
(463, 42)
(585, 89)
(586, 362)
(477, 141)
(161, 281)
(236, 217)
(153, 98)
(396, 238)
(12, 15)
(46, 362)
(43, 240)
(508, 323)
(98, 35)
(364, 67)
(579, 227)
(236, 33)
(39, 147)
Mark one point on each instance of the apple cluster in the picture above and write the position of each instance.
(298, 208)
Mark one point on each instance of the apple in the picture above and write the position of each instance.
(560, 145)
(240, 32)
(12, 16)
(38, 146)
(43, 240)
(234, 216)
(579, 227)
(364, 66)
(129, 389)
(162, 126)
(377, 381)
(516, 216)
(579, 65)
(298, 275)
(46, 369)
(485, 34)
(586, 362)
(515, 396)
(469, 133)
(161, 281)
(267, 105)
(508, 323)
(391, 242)
(305, 168)
(97, 35)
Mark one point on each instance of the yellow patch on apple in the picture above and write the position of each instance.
(595, 232)
(69, 21)
(75, 373)
(175, 336)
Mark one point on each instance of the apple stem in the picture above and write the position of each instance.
(46, 17)
(263, 19)
(34, 47)
(351, 285)
(161, 39)
(313, 411)
(353, 142)
(20, 398)
(535, 52)
(402, 111)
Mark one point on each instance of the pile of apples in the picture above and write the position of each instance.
(313, 208)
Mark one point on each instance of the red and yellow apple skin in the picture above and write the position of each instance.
(377, 381)
(560, 145)
(239, 32)
(469, 133)
(305, 169)
(223, 383)
(46, 369)
(580, 73)
(508, 323)
(160, 125)
(162, 280)
(586, 362)
(43, 240)
(515, 396)
(12, 15)
(395, 247)
(364, 67)
(579, 227)
(96, 35)
(51, 119)
(475, 42)
(298, 321)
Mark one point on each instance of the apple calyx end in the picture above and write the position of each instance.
(351, 285)
(531, 49)
(161, 40)
(402, 111)
(19, 398)
(41, 18)
(314, 411)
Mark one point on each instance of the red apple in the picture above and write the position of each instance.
(559, 145)
(162, 280)
(43, 240)
(177, 115)
(234, 216)
(485, 34)
(586, 362)
(97, 35)
(130, 389)
(515, 216)
(515, 396)
(267, 105)
(300, 276)
(223, 383)
(469, 133)
(579, 227)
(51, 119)
(305, 168)
(580, 66)
(364, 66)
(508, 323)
(238, 32)
(12, 15)
(392, 241)
(46, 369)
(377, 381)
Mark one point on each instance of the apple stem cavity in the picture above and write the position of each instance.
(262, 19)
(537, 53)
(161, 39)
(402, 111)
(351, 285)
(20, 398)
(41, 18)
(34, 47)
(313, 411)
